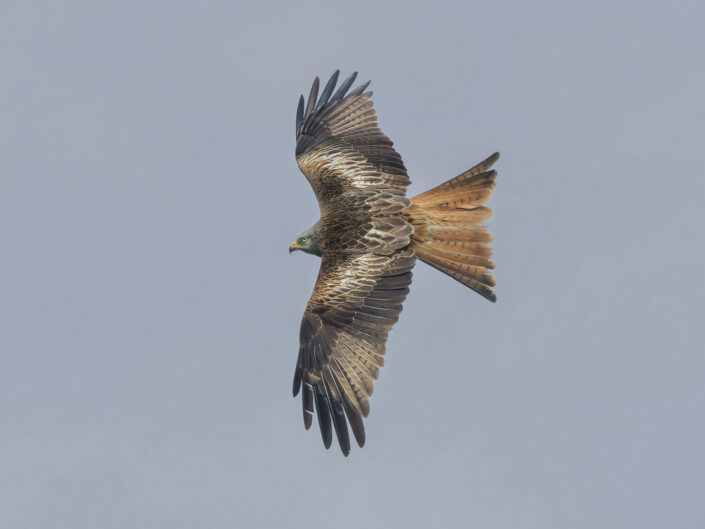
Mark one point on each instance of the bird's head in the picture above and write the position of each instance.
(308, 241)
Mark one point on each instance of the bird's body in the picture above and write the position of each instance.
(369, 236)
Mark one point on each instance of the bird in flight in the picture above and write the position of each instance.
(368, 237)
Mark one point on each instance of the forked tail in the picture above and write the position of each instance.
(448, 230)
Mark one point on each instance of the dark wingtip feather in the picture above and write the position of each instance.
(356, 424)
(328, 90)
(360, 89)
(341, 427)
(307, 405)
(298, 373)
(340, 93)
(300, 114)
(323, 411)
(312, 96)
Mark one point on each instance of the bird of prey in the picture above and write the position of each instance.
(368, 237)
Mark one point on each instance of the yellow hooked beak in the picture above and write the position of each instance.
(294, 246)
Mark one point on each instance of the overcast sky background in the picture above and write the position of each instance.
(149, 309)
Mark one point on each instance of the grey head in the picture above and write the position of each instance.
(308, 241)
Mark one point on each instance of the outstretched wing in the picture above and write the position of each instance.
(360, 182)
(342, 151)
(355, 303)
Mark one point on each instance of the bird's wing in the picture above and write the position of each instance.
(342, 151)
(355, 303)
(360, 182)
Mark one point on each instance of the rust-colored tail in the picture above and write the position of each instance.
(448, 230)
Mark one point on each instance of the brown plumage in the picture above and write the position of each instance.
(368, 237)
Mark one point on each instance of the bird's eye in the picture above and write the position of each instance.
(303, 239)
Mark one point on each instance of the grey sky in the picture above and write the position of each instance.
(150, 309)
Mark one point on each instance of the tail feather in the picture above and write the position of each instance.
(463, 254)
(476, 177)
(448, 230)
